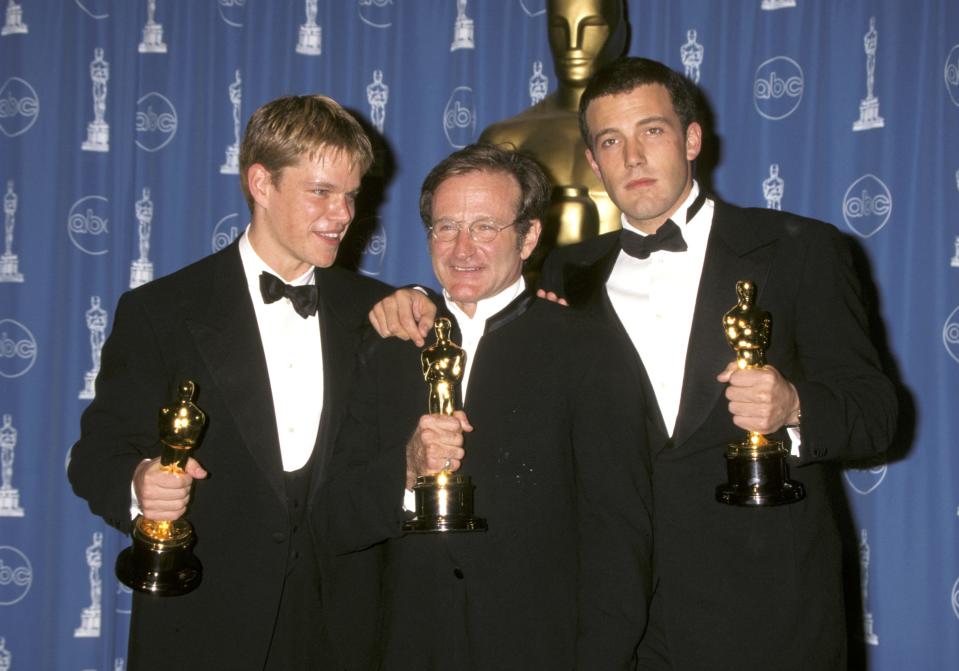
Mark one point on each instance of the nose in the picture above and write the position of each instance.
(633, 152)
(463, 246)
(341, 209)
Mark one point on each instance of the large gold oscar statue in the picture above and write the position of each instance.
(584, 35)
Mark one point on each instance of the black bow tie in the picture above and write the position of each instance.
(303, 297)
(667, 238)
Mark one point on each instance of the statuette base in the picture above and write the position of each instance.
(160, 567)
(758, 477)
(444, 504)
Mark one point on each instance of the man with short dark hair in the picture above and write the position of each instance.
(549, 431)
(736, 587)
(266, 329)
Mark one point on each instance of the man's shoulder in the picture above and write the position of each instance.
(585, 251)
(774, 221)
(348, 291)
(565, 326)
(191, 283)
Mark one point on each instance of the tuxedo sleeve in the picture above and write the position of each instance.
(363, 499)
(119, 427)
(614, 504)
(848, 404)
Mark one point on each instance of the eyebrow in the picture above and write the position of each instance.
(645, 121)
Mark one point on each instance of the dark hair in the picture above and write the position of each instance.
(625, 74)
(534, 186)
(285, 129)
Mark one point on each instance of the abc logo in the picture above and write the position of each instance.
(156, 122)
(19, 107)
(87, 225)
(950, 334)
(866, 480)
(371, 260)
(16, 575)
(231, 11)
(955, 598)
(95, 9)
(376, 13)
(18, 348)
(867, 205)
(459, 117)
(225, 232)
(778, 88)
(951, 73)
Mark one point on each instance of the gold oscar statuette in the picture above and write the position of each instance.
(444, 502)
(160, 561)
(756, 468)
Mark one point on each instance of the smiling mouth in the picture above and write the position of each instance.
(329, 236)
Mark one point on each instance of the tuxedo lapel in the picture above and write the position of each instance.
(585, 287)
(339, 339)
(737, 250)
(228, 340)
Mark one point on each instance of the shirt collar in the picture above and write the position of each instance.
(253, 265)
(486, 307)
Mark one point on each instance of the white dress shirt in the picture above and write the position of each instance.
(294, 361)
(655, 299)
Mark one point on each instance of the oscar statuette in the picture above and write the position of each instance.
(444, 502)
(756, 468)
(160, 561)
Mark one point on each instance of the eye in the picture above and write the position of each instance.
(608, 142)
(655, 130)
(484, 227)
(321, 192)
(445, 228)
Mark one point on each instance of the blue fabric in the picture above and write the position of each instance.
(786, 86)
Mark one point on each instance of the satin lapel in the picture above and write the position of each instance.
(737, 250)
(339, 339)
(228, 340)
(586, 288)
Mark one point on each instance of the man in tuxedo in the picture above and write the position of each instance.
(549, 430)
(266, 329)
(736, 587)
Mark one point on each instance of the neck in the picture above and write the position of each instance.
(468, 308)
(650, 226)
(287, 269)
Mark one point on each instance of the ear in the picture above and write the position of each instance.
(593, 164)
(694, 141)
(532, 237)
(260, 184)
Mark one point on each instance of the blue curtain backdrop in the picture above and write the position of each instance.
(118, 126)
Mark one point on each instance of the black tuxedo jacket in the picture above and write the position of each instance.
(560, 467)
(743, 588)
(199, 324)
